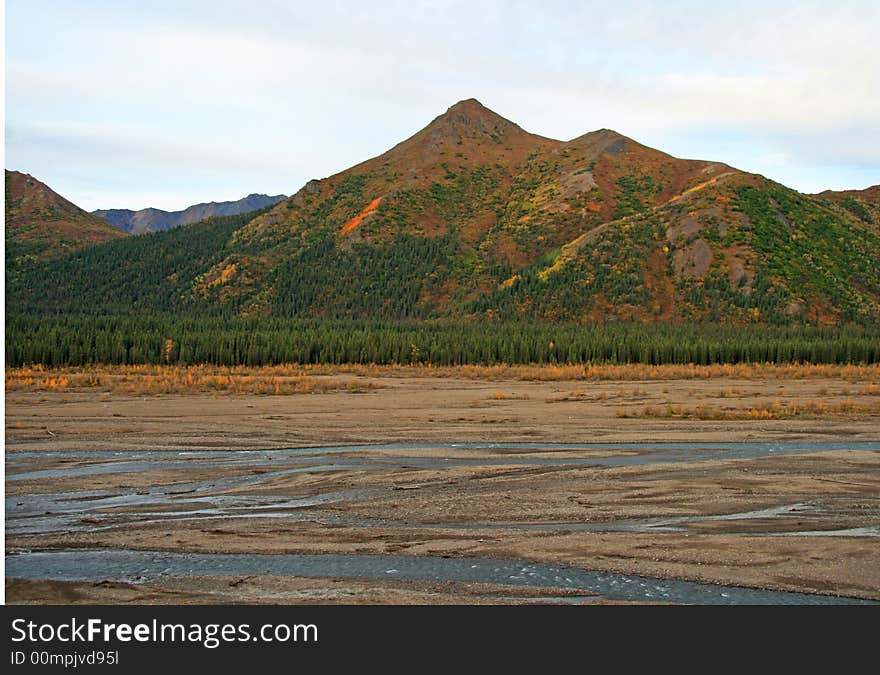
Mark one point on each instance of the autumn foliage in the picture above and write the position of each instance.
(354, 222)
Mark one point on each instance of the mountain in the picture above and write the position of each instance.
(863, 204)
(156, 220)
(42, 224)
(474, 218)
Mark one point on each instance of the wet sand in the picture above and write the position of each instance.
(802, 522)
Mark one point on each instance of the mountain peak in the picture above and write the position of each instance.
(468, 133)
(603, 141)
(470, 119)
(41, 224)
(468, 105)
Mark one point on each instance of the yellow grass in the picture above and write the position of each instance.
(629, 372)
(298, 379)
(154, 379)
(507, 396)
(766, 411)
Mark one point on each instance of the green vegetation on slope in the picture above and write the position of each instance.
(150, 272)
(814, 252)
(607, 275)
(806, 263)
(367, 281)
(857, 208)
(748, 253)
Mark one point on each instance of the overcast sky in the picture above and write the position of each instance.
(128, 104)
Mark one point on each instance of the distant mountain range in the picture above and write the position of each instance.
(156, 220)
(474, 218)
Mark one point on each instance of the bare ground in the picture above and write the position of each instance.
(480, 510)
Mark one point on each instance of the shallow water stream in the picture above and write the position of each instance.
(142, 565)
(184, 493)
(86, 509)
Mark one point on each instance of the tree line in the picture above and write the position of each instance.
(77, 340)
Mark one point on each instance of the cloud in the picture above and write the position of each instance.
(854, 146)
(133, 145)
(257, 59)
(308, 89)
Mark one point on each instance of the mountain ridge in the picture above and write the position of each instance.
(474, 218)
(154, 220)
(863, 204)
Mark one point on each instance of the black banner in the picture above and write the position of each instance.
(117, 639)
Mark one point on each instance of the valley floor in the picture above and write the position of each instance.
(793, 521)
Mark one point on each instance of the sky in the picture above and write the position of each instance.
(129, 104)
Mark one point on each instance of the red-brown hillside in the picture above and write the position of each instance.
(513, 195)
(475, 218)
(42, 224)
